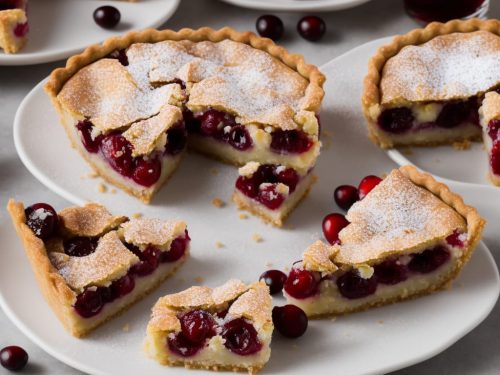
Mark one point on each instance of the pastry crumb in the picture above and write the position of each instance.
(462, 145)
(219, 203)
(198, 279)
(214, 171)
(126, 328)
(219, 245)
(243, 216)
(257, 237)
(269, 264)
(113, 191)
(137, 215)
(101, 188)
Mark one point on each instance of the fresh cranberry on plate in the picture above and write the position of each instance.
(311, 28)
(270, 26)
(107, 16)
(332, 225)
(291, 321)
(13, 358)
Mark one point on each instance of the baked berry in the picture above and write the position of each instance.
(270, 197)
(198, 325)
(239, 138)
(122, 286)
(456, 239)
(149, 261)
(147, 171)
(89, 141)
(79, 246)
(311, 28)
(367, 184)
(89, 303)
(453, 114)
(429, 260)
(13, 358)
(118, 152)
(396, 120)
(391, 272)
(211, 121)
(240, 337)
(274, 279)
(287, 176)
(290, 141)
(179, 344)
(495, 157)
(107, 16)
(177, 250)
(21, 29)
(290, 320)
(332, 225)
(345, 196)
(302, 283)
(120, 55)
(494, 129)
(42, 219)
(352, 286)
(270, 26)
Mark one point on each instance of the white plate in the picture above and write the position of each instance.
(390, 337)
(61, 28)
(297, 5)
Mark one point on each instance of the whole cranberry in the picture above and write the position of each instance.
(107, 16)
(391, 272)
(454, 113)
(42, 219)
(89, 303)
(311, 28)
(290, 320)
(429, 260)
(122, 286)
(274, 279)
(270, 197)
(396, 120)
(270, 26)
(13, 358)
(351, 285)
(332, 225)
(345, 196)
(289, 177)
(149, 261)
(118, 152)
(302, 283)
(198, 325)
(176, 251)
(79, 246)
(240, 337)
(147, 172)
(182, 346)
(367, 184)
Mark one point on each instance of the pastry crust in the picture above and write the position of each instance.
(372, 97)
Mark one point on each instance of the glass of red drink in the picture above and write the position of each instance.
(425, 11)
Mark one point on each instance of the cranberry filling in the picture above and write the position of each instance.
(89, 303)
(80, 246)
(455, 239)
(179, 344)
(391, 272)
(118, 152)
(429, 260)
(197, 326)
(274, 279)
(302, 283)
(42, 219)
(290, 320)
(495, 157)
(290, 142)
(149, 261)
(21, 29)
(147, 171)
(176, 139)
(352, 286)
(396, 120)
(122, 286)
(177, 249)
(241, 337)
(90, 143)
(121, 55)
(493, 129)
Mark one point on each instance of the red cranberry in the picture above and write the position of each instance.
(274, 279)
(150, 260)
(121, 55)
(176, 139)
(248, 186)
(147, 172)
(91, 144)
(351, 285)
(239, 138)
(197, 326)
(455, 239)
(179, 344)
(453, 114)
(211, 121)
(290, 141)
(13, 358)
(193, 124)
(79, 246)
(122, 286)
(391, 272)
(118, 152)
(241, 337)
(429, 260)
(396, 120)
(290, 320)
(302, 283)
(107, 16)
(345, 196)
(289, 177)
(222, 314)
(270, 198)
(270, 26)
(177, 250)
(332, 225)
(367, 184)
(311, 28)
(89, 303)
(42, 219)
(21, 29)
(495, 157)
(494, 129)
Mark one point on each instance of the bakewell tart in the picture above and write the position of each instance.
(91, 265)
(13, 25)
(224, 328)
(131, 104)
(490, 122)
(410, 236)
(425, 87)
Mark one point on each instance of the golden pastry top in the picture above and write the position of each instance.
(146, 231)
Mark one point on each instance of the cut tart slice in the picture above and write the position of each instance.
(408, 237)
(13, 25)
(490, 121)
(91, 265)
(425, 87)
(225, 328)
(129, 105)
(271, 191)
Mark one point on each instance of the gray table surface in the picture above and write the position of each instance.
(477, 353)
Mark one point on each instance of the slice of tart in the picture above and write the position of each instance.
(271, 191)
(13, 25)
(91, 265)
(408, 237)
(490, 121)
(425, 87)
(225, 328)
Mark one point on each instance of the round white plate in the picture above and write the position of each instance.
(61, 28)
(389, 338)
(297, 5)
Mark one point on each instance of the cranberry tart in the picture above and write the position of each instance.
(408, 237)
(91, 265)
(225, 328)
(131, 104)
(425, 87)
(490, 121)
(13, 25)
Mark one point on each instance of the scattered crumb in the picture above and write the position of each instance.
(90, 175)
(257, 237)
(243, 216)
(407, 152)
(462, 145)
(333, 318)
(219, 245)
(380, 322)
(269, 264)
(126, 328)
(137, 215)
(198, 279)
(214, 171)
(101, 188)
(113, 191)
(219, 203)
